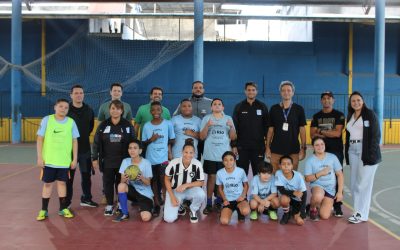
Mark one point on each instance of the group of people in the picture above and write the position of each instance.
(174, 155)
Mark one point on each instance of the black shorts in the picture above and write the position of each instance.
(233, 205)
(145, 203)
(211, 167)
(329, 195)
(50, 174)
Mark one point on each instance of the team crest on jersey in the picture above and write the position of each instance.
(192, 174)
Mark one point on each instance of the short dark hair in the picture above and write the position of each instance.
(264, 167)
(76, 86)
(118, 104)
(217, 99)
(139, 143)
(285, 157)
(250, 84)
(316, 139)
(61, 100)
(185, 100)
(116, 84)
(156, 88)
(229, 153)
(195, 82)
(155, 103)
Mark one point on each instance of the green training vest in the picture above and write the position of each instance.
(57, 146)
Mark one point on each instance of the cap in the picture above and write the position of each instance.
(328, 93)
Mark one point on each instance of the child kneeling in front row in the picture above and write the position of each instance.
(264, 193)
(292, 190)
(232, 187)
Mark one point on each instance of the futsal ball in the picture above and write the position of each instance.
(132, 172)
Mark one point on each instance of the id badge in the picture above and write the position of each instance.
(285, 126)
(259, 112)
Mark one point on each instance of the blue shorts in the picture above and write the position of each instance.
(49, 174)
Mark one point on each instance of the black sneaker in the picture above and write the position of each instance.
(108, 212)
(285, 219)
(207, 210)
(303, 213)
(88, 203)
(181, 210)
(156, 211)
(193, 217)
(338, 211)
(121, 217)
(241, 217)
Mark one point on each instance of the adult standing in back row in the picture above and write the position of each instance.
(251, 122)
(143, 114)
(287, 121)
(116, 91)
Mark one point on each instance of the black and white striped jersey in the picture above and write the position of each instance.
(181, 175)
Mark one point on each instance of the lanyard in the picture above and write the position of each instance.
(286, 114)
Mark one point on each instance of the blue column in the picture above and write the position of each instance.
(16, 47)
(198, 41)
(379, 67)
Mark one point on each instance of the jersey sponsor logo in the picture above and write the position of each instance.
(217, 132)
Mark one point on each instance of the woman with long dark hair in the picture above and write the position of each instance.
(362, 153)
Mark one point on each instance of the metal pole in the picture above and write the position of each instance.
(16, 47)
(379, 68)
(198, 55)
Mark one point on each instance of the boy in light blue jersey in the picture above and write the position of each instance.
(232, 187)
(186, 125)
(158, 135)
(138, 189)
(292, 190)
(264, 193)
(321, 171)
(218, 131)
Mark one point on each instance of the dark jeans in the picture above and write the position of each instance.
(253, 156)
(111, 179)
(200, 149)
(85, 167)
(340, 157)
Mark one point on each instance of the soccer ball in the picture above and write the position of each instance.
(132, 172)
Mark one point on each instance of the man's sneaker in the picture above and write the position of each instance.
(88, 203)
(299, 221)
(207, 209)
(355, 218)
(66, 213)
(314, 214)
(285, 218)
(181, 210)
(254, 215)
(156, 211)
(42, 215)
(121, 217)
(272, 215)
(193, 217)
(103, 200)
(108, 211)
(338, 211)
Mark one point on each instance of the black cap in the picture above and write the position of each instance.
(328, 93)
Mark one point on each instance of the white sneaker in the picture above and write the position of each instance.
(355, 218)
(193, 217)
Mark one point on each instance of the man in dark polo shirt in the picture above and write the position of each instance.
(250, 118)
(287, 121)
(83, 116)
(328, 124)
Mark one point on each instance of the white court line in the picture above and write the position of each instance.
(3, 146)
(376, 203)
(390, 151)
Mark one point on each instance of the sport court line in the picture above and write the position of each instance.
(376, 224)
(379, 206)
(17, 173)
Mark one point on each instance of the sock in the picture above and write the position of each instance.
(63, 203)
(123, 202)
(209, 201)
(218, 200)
(45, 203)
